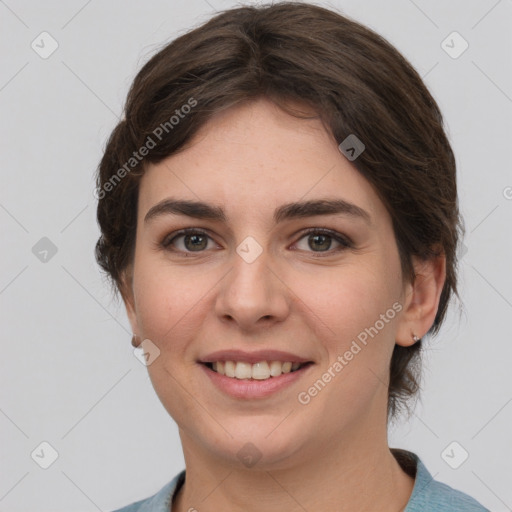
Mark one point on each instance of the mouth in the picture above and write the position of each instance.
(262, 370)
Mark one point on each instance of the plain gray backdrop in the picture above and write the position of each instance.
(69, 377)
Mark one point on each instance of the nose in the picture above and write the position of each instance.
(252, 295)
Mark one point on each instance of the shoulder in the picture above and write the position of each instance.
(429, 495)
(159, 502)
(443, 498)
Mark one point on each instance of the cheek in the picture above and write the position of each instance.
(359, 305)
(165, 302)
(352, 299)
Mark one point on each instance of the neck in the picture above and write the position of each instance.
(344, 476)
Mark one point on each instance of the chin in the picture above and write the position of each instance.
(259, 444)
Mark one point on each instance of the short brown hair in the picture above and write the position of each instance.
(356, 83)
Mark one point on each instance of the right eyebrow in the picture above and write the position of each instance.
(196, 209)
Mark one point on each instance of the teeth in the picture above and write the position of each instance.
(276, 368)
(243, 370)
(229, 368)
(259, 371)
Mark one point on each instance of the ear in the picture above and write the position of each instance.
(126, 290)
(421, 299)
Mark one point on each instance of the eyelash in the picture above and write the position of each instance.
(344, 241)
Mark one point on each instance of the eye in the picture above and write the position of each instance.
(192, 240)
(317, 240)
(321, 240)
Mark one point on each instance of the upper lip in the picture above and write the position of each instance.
(252, 357)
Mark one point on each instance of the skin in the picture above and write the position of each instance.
(331, 453)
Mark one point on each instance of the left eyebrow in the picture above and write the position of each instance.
(301, 209)
(320, 207)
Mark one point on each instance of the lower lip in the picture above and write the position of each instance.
(252, 388)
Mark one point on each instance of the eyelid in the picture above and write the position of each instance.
(326, 231)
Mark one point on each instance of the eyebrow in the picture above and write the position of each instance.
(301, 209)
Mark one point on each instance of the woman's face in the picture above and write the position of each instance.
(251, 280)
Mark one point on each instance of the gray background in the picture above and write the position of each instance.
(68, 373)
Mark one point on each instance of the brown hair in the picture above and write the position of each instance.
(295, 54)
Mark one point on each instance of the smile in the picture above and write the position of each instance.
(249, 381)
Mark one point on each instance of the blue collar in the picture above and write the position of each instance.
(428, 495)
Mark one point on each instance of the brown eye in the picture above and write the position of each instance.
(321, 240)
(195, 242)
(187, 241)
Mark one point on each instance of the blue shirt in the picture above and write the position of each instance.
(428, 495)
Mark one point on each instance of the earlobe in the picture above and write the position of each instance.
(422, 300)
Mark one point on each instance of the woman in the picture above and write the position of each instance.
(279, 213)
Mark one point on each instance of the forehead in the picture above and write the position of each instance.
(254, 157)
